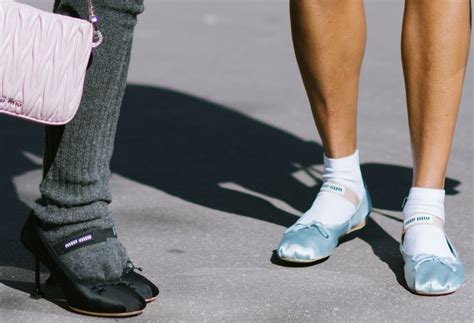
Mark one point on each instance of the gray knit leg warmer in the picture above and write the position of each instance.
(74, 191)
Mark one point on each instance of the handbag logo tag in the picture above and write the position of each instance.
(11, 102)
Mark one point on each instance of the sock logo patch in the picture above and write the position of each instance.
(418, 219)
(85, 239)
(77, 241)
(333, 188)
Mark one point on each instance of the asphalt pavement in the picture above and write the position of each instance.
(217, 154)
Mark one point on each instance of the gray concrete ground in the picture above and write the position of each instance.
(217, 154)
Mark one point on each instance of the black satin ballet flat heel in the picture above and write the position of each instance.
(144, 287)
(105, 299)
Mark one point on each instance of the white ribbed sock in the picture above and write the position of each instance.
(332, 209)
(425, 239)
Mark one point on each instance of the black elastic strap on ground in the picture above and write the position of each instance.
(84, 239)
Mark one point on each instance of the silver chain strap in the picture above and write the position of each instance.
(94, 20)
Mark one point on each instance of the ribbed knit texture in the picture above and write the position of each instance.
(75, 188)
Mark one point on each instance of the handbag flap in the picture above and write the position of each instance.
(44, 58)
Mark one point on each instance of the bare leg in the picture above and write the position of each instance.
(435, 43)
(329, 39)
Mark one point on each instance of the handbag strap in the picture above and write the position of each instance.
(94, 20)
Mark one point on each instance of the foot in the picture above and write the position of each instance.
(341, 206)
(113, 298)
(139, 283)
(425, 239)
(303, 243)
(432, 266)
(92, 260)
(336, 204)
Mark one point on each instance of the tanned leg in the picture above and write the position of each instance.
(329, 39)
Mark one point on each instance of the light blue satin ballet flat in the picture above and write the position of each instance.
(306, 243)
(430, 274)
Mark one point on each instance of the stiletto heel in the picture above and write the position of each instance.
(37, 293)
(107, 299)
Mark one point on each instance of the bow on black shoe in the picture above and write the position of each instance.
(141, 284)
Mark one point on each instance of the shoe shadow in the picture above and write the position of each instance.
(51, 293)
(385, 248)
(207, 154)
(280, 262)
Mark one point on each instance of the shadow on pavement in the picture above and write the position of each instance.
(207, 154)
(16, 138)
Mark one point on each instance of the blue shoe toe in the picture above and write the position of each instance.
(433, 275)
(314, 241)
(307, 243)
(435, 278)
(296, 251)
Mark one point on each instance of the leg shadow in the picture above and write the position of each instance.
(17, 138)
(189, 147)
(210, 155)
(385, 248)
(196, 149)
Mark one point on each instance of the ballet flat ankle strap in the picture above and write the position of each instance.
(422, 219)
(342, 190)
(84, 239)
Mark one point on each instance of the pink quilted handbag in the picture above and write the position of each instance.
(43, 62)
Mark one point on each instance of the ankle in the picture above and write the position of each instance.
(336, 204)
(424, 223)
(346, 171)
(424, 201)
